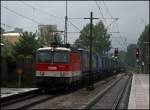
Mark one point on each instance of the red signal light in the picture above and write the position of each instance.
(116, 52)
(137, 53)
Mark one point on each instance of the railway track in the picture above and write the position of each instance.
(24, 104)
(108, 95)
(18, 97)
(77, 99)
(111, 96)
(120, 95)
(26, 100)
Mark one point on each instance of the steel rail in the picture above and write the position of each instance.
(17, 100)
(24, 104)
(97, 98)
(36, 102)
(118, 98)
(18, 97)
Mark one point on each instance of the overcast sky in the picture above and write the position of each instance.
(133, 16)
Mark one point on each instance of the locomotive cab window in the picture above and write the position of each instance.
(44, 56)
(52, 57)
(61, 57)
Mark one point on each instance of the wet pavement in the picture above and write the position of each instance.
(5, 92)
(139, 95)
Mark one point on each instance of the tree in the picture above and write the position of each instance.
(143, 43)
(27, 45)
(101, 42)
(48, 34)
(2, 30)
(130, 58)
(144, 37)
(6, 48)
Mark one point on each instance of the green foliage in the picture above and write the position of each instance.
(130, 58)
(26, 46)
(144, 37)
(2, 30)
(101, 42)
(6, 49)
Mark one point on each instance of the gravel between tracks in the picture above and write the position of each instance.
(108, 99)
(125, 98)
(26, 102)
(76, 99)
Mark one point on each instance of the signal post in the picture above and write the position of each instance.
(137, 59)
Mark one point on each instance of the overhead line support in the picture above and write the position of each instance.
(90, 85)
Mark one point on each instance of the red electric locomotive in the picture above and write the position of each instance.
(56, 66)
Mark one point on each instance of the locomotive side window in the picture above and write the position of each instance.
(44, 56)
(61, 57)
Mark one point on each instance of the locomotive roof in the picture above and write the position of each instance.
(56, 48)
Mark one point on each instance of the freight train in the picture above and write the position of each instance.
(61, 66)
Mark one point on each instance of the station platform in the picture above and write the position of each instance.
(6, 92)
(139, 94)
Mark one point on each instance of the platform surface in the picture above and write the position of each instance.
(5, 92)
(139, 94)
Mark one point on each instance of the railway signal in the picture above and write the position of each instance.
(137, 59)
(116, 52)
(137, 53)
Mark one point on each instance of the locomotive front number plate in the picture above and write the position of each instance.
(52, 68)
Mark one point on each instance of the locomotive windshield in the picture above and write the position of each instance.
(60, 57)
(52, 57)
(44, 56)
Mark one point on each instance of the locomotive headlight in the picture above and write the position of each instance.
(41, 73)
(53, 49)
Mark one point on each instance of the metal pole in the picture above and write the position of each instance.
(90, 84)
(66, 18)
(91, 27)
(19, 80)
